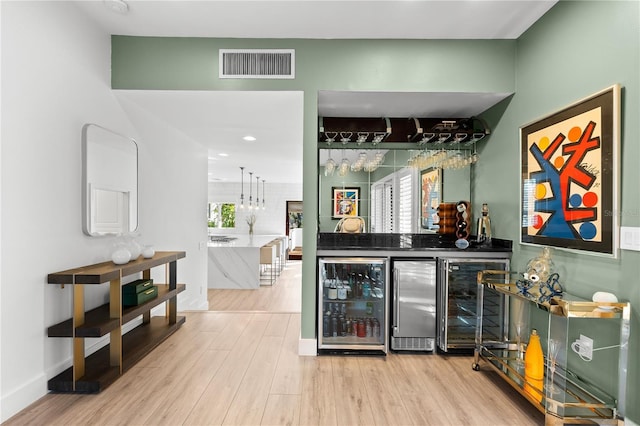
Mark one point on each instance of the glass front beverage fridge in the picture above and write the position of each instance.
(352, 305)
(458, 303)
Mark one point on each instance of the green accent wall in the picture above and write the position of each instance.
(155, 63)
(576, 49)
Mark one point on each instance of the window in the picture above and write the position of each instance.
(222, 215)
(405, 203)
(382, 202)
(392, 201)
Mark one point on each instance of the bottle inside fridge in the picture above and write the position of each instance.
(352, 313)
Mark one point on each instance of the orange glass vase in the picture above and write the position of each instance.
(534, 367)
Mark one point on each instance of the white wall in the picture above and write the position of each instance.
(173, 200)
(272, 220)
(55, 78)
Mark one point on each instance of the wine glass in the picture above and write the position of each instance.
(329, 166)
(345, 137)
(331, 137)
(519, 352)
(362, 137)
(344, 166)
(554, 349)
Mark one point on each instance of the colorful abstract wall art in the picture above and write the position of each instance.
(570, 176)
(430, 196)
(345, 202)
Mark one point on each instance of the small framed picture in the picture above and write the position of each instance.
(345, 202)
(430, 196)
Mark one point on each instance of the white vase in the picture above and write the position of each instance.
(148, 251)
(120, 256)
(133, 246)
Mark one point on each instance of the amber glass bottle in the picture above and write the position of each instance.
(534, 367)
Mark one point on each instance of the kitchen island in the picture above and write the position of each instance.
(234, 261)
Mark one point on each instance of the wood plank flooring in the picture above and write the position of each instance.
(241, 368)
(285, 295)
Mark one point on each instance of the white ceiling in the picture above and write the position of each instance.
(405, 104)
(355, 19)
(218, 120)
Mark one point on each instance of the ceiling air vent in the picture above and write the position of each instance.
(257, 63)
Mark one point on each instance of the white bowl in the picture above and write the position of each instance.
(603, 296)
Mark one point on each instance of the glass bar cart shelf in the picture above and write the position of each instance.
(567, 397)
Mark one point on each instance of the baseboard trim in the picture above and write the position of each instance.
(307, 347)
(23, 396)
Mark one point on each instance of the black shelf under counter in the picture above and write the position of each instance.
(405, 242)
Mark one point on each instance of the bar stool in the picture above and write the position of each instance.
(284, 253)
(267, 261)
(277, 244)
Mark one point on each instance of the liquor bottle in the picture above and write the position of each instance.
(342, 292)
(326, 324)
(484, 226)
(333, 290)
(359, 286)
(534, 367)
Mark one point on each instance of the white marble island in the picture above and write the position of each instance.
(234, 261)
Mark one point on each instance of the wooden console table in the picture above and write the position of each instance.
(93, 373)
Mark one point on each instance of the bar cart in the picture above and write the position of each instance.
(575, 389)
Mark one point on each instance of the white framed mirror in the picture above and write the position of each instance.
(109, 182)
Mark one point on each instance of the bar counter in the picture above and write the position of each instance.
(407, 245)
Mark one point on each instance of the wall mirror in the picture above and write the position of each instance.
(110, 182)
(376, 175)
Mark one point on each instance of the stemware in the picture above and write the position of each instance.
(345, 137)
(554, 350)
(519, 351)
(378, 137)
(344, 166)
(331, 137)
(362, 137)
(329, 166)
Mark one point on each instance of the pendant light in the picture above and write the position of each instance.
(258, 192)
(250, 193)
(263, 206)
(242, 188)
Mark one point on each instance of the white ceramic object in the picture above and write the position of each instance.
(148, 251)
(121, 256)
(134, 247)
(603, 296)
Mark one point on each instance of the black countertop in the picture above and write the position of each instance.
(408, 242)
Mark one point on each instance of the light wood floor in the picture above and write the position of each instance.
(242, 368)
(285, 295)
